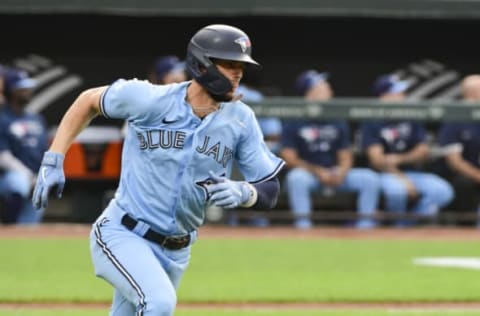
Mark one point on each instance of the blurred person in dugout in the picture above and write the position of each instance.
(319, 157)
(398, 150)
(2, 95)
(271, 127)
(165, 70)
(23, 140)
(460, 142)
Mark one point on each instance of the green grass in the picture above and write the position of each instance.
(254, 270)
(26, 312)
(327, 270)
(49, 270)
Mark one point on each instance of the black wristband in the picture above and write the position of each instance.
(268, 192)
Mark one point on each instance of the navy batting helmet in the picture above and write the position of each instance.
(216, 41)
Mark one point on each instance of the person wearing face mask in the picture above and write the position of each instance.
(319, 157)
(23, 139)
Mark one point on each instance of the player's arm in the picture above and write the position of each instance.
(9, 162)
(417, 154)
(267, 194)
(78, 116)
(293, 160)
(345, 162)
(382, 161)
(462, 166)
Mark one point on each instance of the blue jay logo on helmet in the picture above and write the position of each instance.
(244, 43)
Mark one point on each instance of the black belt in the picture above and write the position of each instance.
(173, 243)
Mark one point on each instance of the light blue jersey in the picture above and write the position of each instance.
(169, 151)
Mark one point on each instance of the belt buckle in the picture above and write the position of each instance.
(176, 243)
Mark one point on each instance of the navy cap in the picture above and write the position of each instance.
(308, 79)
(389, 84)
(167, 64)
(17, 79)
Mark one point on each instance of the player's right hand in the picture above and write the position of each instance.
(49, 176)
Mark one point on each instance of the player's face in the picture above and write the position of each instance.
(320, 92)
(233, 70)
(22, 96)
(393, 97)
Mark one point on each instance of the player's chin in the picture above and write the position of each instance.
(229, 96)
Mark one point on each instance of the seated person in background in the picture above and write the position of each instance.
(461, 142)
(319, 156)
(23, 139)
(397, 150)
(168, 69)
(2, 96)
(272, 132)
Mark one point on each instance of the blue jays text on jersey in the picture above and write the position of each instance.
(166, 139)
(169, 151)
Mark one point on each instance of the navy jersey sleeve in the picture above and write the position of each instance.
(419, 134)
(448, 134)
(344, 140)
(370, 135)
(3, 136)
(289, 135)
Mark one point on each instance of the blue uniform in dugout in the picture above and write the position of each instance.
(177, 158)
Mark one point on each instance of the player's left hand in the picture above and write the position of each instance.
(50, 176)
(228, 193)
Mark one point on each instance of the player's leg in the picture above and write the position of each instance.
(15, 190)
(435, 192)
(300, 185)
(29, 215)
(366, 183)
(396, 195)
(121, 306)
(127, 262)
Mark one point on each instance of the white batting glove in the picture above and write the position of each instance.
(49, 176)
(227, 193)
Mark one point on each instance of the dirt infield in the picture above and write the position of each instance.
(428, 233)
(207, 232)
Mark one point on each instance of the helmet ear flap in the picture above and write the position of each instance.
(204, 71)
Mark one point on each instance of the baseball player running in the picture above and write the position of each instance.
(177, 158)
